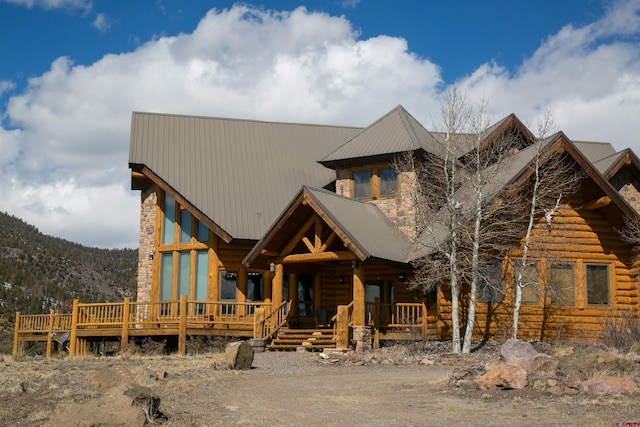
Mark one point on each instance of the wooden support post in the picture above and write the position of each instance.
(49, 334)
(257, 323)
(358, 294)
(126, 311)
(342, 328)
(375, 312)
(242, 289)
(424, 317)
(73, 337)
(16, 334)
(268, 280)
(214, 274)
(277, 284)
(182, 328)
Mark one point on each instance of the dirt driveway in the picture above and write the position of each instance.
(295, 389)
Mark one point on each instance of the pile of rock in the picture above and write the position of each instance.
(522, 366)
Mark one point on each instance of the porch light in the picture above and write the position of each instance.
(355, 263)
(341, 280)
(401, 277)
(272, 267)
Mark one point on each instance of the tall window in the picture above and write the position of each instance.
(597, 276)
(561, 284)
(375, 183)
(183, 253)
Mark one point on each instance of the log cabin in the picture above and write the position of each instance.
(298, 235)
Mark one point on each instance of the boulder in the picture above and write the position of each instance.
(609, 385)
(584, 362)
(504, 377)
(239, 355)
(516, 349)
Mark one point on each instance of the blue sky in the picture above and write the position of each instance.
(73, 70)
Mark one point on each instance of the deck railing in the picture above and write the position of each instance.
(120, 319)
(398, 315)
(268, 322)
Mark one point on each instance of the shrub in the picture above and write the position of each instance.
(621, 331)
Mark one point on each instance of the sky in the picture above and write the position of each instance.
(72, 71)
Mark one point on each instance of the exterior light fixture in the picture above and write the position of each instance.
(272, 267)
(341, 280)
(355, 263)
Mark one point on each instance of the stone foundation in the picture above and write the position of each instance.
(362, 337)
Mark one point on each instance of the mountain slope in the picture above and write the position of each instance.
(40, 272)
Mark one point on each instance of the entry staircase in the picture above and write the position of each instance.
(310, 339)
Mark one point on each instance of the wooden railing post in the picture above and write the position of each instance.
(342, 328)
(258, 323)
(182, 327)
(50, 333)
(73, 337)
(16, 334)
(124, 336)
(424, 321)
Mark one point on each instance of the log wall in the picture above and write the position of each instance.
(577, 237)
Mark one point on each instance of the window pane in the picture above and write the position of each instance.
(202, 270)
(598, 284)
(255, 287)
(305, 295)
(388, 182)
(530, 283)
(490, 284)
(561, 284)
(169, 210)
(184, 268)
(362, 184)
(185, 226)
(202, 232)
(228, 285)
(166, 277)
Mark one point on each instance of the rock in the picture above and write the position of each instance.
(516, 349)
(609, 385)
(135, 406)
(110, 377)
(542, 365)
(552, 383)
(465, 374)
(571, 385)
(504, 377)
(239, 355)
(585, 362)
(427, 361)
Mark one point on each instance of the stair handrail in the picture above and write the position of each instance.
(268, 326)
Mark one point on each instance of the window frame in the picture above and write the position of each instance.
(375, 182)
(563, 266)
(607, 268)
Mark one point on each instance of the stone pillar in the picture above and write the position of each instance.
(146, 250)
(362, 337)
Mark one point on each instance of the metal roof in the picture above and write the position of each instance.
(367, 226)
(239, 173)
(595, 151)
(395, 132)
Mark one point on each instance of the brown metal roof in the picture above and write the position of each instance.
(363, 228)
(238, 173)
(395, 132)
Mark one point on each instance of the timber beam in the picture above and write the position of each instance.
(597, 203)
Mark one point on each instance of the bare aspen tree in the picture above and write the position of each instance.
(553, 179)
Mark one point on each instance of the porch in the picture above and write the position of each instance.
(99, 322)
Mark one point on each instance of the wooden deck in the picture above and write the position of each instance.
(121, 320)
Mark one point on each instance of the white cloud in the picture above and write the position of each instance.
(67, 159)
(54, 4)
(101, 23)
(6, 86)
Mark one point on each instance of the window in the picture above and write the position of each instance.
(490, 284)
(374, 183)
(561, 284)
(183, 248)
(255, 287)
(530, 283)
(597, 276)
(362, 184)
(388, 182)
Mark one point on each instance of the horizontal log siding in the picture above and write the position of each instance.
(577, 237)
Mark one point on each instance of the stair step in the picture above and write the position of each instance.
(311, 339)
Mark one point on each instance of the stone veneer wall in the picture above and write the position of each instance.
(148, 203)
(631, 195)
(401, 210)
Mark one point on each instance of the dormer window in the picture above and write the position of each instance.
(374, 183)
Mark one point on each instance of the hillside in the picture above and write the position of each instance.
(40, 272)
